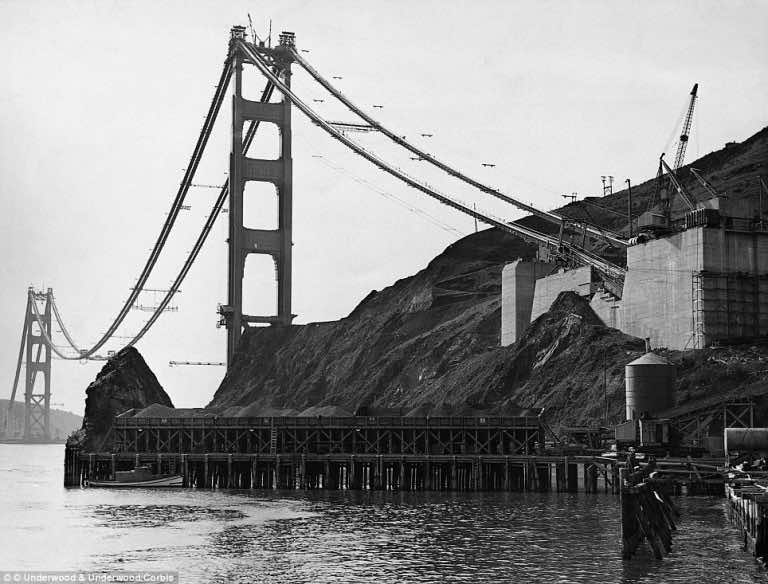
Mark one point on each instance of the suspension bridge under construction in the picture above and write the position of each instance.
(274, 63)
(529, 287)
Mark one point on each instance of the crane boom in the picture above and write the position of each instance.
(678, 186)
(683, 142)
(703, 182)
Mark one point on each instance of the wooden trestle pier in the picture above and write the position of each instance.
(376, 453)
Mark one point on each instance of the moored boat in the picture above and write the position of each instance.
(141, 476)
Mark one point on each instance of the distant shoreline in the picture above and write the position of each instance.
(20, 441)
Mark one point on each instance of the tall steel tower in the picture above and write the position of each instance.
(279, 172)
(35, 355)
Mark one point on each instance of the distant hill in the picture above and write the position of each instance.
(62, 422)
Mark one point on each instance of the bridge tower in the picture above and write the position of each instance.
(36, 355)
(279, 172)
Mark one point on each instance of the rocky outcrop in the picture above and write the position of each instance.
(125, 382)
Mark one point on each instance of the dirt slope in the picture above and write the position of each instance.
(401, 347)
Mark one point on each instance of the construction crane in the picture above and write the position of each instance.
(682, 144)
(695, 172)
(678, 186)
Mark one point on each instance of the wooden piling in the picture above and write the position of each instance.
(647, 514)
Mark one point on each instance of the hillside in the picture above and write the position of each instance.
(733, 171)
(62, 422)
(430, 341)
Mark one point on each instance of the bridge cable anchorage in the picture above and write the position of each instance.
(610, 269)
(593, 230)
(205, 132)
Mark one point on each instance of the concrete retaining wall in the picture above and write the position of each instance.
(579, 280)
(609, 309)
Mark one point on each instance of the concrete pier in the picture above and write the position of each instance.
(518, 282)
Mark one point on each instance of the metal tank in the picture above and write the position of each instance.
(746, 440)
(649, 385)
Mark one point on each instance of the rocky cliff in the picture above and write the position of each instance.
(125, 382)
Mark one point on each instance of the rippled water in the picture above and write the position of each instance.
(287, 537)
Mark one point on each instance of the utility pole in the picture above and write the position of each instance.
(474, 206)
(629, 205)
(605, 389)
(572, 197)
(607, 186)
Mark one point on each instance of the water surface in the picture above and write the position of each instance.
(344, 537)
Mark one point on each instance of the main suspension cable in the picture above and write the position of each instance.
(587, 257)
(249, 135)
(205, 132)
(549, 216)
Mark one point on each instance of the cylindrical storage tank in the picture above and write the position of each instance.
(649, 384)
(746, 439)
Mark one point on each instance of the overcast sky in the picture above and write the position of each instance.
(102, 102)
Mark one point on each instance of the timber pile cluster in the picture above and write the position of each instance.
(647, 514)
(748, 509)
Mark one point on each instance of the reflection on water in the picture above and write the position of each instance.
(287, 537)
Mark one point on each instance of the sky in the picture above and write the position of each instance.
(102, 103)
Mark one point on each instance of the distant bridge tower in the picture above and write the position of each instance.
(242, 240)
(36, 355)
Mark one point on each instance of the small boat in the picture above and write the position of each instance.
(141, 476)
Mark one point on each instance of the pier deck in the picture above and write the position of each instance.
(371, 452)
